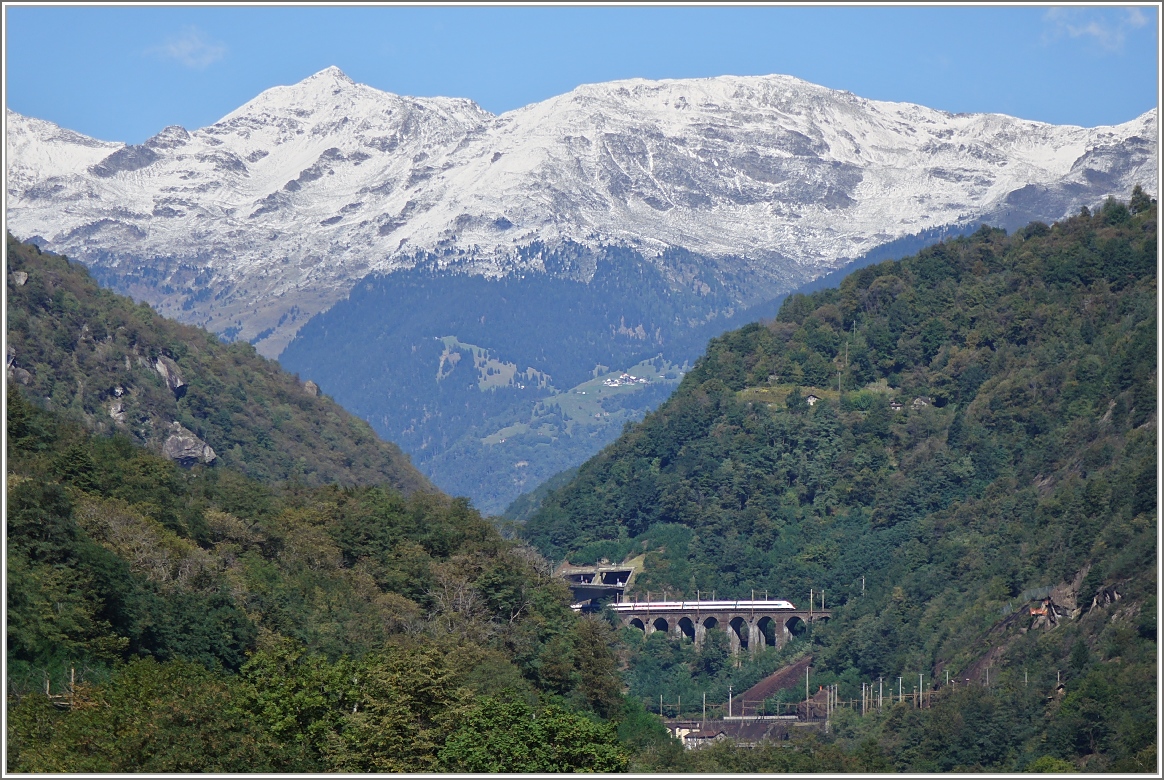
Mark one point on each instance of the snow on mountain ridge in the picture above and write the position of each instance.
(38, 150)
(294, 196)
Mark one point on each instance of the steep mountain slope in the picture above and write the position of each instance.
(634, 219)
(252, 225)
(960, 450)
(495, 385)
(169, 620)
(120, 367)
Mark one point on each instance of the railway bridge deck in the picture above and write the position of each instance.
(749, 623)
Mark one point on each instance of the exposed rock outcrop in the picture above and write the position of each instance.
(185, 448)
(15, 373)
(171, 374)
(311, 388)
(1107, 595)
(1048, 614)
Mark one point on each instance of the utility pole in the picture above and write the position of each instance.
(704, 720)
(862, 584)
(900, 695)
(729, 701)
(806, 710)
(919, 689)
(880, 694)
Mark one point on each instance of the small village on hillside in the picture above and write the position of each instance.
(626, 379)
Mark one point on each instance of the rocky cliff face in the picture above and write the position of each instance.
(254, 224)
(185, 448)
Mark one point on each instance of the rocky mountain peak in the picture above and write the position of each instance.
(331, 72)
(170, 137)
(285, 203)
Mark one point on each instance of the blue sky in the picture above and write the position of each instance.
(123, 73)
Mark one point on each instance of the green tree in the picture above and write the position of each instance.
(1044, 764)
(1139, 201)
(598, 682)
(150, 717)
(508, 736)
(300, 699)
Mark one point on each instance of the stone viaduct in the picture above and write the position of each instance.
(749, 624)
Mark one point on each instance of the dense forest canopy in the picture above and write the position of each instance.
(934, 444)
(168, 619)
(941, 444)
(281, 607)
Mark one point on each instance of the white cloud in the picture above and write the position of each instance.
(1136, 17)
(191, 49)
(1106, 27)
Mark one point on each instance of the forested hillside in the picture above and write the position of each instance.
(264, 586)
(519, 342)
(118, 366)
(958, 448)
(941, 445)
(163, 619)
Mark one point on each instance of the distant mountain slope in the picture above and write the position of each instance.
(482, 379)
(722, 194)
(119, 366)
(254, 224)
(960, 450)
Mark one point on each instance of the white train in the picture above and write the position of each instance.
(720, 605)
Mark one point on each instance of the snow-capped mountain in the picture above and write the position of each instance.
(252, 225)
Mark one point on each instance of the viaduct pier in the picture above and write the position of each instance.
(750, 624)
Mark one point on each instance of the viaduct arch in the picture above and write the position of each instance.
(749, 624)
